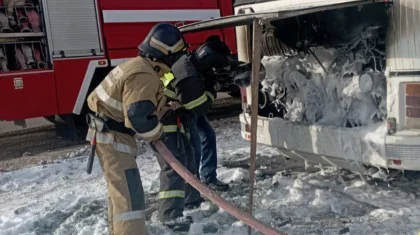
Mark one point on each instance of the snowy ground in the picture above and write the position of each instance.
(62, 199)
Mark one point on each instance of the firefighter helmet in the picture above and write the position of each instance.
(163, 41)
(214, 55)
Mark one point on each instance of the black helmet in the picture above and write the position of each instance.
(214, 55)
(163, 41)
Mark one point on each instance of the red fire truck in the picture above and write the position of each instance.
(54, 52)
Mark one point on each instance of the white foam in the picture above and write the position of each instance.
(313, 96)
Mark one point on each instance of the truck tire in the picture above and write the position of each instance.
(80, 120)
(70, 126)
(234, 91)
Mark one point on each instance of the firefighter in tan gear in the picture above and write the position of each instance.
(129, 101)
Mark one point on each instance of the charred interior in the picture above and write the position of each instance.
(327, 67)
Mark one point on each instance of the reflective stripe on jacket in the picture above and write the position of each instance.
(133, 93)
(189, 86)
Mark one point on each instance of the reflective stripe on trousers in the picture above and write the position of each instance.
(108, 138)
(131, 215)
(171, 194)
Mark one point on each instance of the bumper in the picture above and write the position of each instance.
(342, 147)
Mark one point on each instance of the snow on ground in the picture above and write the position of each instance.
(62, 199)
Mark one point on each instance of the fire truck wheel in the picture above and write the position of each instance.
(80, 120)
(69, 126)
(234, 91)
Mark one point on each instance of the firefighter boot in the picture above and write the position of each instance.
(216, 185)
(194, 205)
(179, 224)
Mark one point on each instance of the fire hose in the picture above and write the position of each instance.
(212, 195)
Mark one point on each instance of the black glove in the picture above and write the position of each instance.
(182, 112)
(242, 75)
(243, 72)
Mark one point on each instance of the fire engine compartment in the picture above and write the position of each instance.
(326, 68)
(22, 35)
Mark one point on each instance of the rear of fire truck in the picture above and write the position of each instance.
(54, 52)
(50, 48)
(26, 75)
(342, 84)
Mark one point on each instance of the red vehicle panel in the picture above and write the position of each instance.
(27, 95)
(124, 53)
(226, 9)
(134, 34)
(127, 23)
(122, 26)
(70, 74)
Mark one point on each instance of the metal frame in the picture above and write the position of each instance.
(98, 22)
(44, 6)
(50, 39)
(87, 80)
(256, 58)
(20, 72)
(175, 15)
(247, 19)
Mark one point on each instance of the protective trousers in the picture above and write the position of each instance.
(203, 140)
(126, 205)
(174, 192)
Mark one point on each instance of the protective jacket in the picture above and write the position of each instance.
(189, 87)
(132, 93)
